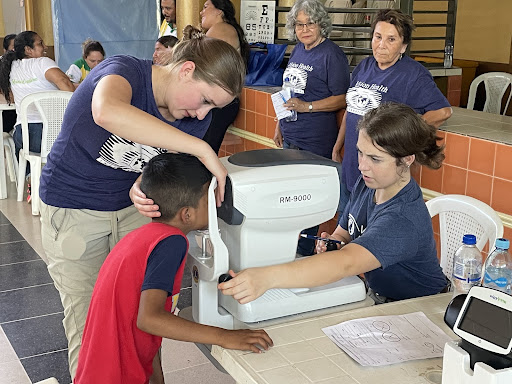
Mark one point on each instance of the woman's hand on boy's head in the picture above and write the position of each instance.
(246, 286)
(255, 340)
(145, 206)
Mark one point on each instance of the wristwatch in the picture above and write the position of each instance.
(310, 107)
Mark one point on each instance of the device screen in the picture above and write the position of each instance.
(488, 322)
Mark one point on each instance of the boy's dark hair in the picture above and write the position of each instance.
(174, 181)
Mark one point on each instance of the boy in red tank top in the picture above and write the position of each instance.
(139, 284)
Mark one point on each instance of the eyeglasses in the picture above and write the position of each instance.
(300, 26)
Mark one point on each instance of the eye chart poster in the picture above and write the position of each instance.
(257, 19)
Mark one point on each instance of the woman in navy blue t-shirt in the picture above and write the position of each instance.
(386, 226)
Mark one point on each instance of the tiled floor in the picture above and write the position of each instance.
(32, 342)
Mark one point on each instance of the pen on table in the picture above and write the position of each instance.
(311, 237)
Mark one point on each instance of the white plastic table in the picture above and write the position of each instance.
(302, 354)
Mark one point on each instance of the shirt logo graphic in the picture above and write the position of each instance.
(298, 78)
(353, 228)
(119, 153)
(361, 100)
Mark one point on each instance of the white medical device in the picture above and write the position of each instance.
(485, 320)
(271, 195)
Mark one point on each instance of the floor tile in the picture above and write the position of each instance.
(29, 302)
(24, 274)
(187, 278)
(37, 335)
(17, 251)
(3, 219)
(6, 352)
(201, 374)
(178, 355)
(185, 299)
(48, 365)
(9, 233)
(12, 372)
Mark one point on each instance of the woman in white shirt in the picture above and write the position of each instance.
(27, 70)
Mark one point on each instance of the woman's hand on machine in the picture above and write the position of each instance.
(145, 206)
(245, 286)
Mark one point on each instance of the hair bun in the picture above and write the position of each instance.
(190, 32)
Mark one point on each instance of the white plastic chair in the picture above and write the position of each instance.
(495, 83)
(459, 215)
(10, 156)
(51, 106)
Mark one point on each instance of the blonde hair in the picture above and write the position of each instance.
(216, 62)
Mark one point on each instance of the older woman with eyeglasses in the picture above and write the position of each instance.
(319, 73)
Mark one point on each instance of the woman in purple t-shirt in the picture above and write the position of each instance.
(125, 112)
(386, 76)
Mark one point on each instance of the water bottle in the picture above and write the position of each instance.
(287, 85)
(498, 268)
(448, 55)
(467, 266)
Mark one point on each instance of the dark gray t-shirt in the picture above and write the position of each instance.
(89, 167)
(399, 234)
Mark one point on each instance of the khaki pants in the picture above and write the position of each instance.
(76, 242)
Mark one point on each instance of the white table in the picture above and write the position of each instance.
(303, 354)
(3, 179)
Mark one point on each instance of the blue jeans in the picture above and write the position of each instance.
(305, 247)
(35, 131)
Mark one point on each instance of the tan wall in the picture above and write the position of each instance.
(39, 19)
(483, 30)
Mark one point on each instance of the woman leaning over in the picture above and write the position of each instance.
(388, 75)
(24, 71)
(386, 226)
(319, 72)
(124, 113)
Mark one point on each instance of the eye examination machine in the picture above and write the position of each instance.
(271, 196)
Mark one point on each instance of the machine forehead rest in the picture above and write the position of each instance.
(273, 157)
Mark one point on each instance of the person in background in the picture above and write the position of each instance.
(386, 227)
(9, 116)
(123, 114)
(168, 27)
(139, 284)
(218, 21)
(24, 71)
(9, 42)
(319, 73)
(388, 75)
(163, 49)
(92, 54)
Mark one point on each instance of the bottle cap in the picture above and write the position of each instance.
(502, 243)
(469, 239)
